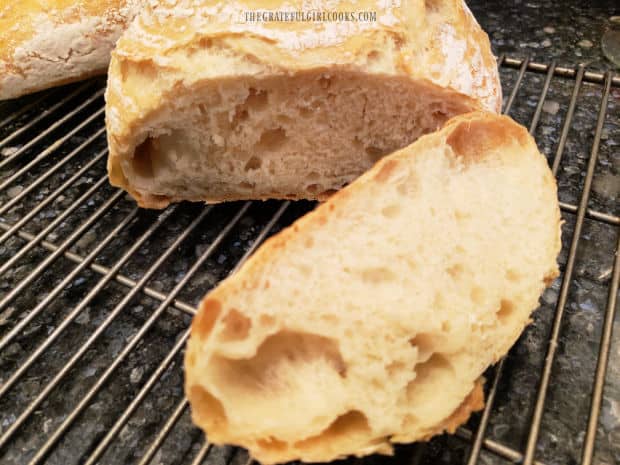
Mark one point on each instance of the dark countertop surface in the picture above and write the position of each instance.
(569, 31)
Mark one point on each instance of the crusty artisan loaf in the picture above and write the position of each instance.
(202, 105)
(53, 42)
(370, 320)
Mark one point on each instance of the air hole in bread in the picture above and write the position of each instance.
(431, 5)
(411, 263)
(378, 383)
(271, 139)
(241, 114)
(506, 310)
(344, 430)
(512, 275)
(246, 185)
(278, 374)
(374, 153)
(440, 117)
(305, 112)
(439, 301)
(425, 343)
(142, 163)
(408, 186)
(266, 320)
(402, 189)
(357, 143)
(429, 375)
(314, 188)
(460, 215)
(207, 409)
(272, 444)
(313, 176)
(205, 42)
(477, 295)
(377, 275)
(391, 211)
(236, 326)
(205, 318)
(455, 271)
(253, 163)
(317, 105)
(305, 270)
(257, 100)
(325, 82)
(283, 119)
(145, 69)
(375, 55)
(203, 109)
(329, 318)
(394, 368)
(125, 66)
(222, 121)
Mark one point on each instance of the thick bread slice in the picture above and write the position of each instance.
(53, 42)
(203, 105)
(370, 320)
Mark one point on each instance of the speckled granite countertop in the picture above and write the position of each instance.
(569, 31)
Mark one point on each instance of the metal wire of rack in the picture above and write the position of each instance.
(96, 295)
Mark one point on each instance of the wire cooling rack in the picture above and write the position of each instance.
(96, 295)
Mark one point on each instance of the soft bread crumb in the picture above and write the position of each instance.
(288, 137)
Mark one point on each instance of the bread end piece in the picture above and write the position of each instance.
(370, 320)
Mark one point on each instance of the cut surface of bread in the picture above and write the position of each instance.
(226, 110)
(370, 320)
(54, 42)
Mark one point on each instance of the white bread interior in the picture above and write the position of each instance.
(370, 320)
(285, 137)
(215, 109)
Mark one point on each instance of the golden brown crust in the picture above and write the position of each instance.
(203, 323)
(31, 89)
(474, 402)
(45, 44)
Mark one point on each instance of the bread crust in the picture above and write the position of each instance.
(46, 44)
(473, 140)
(162, 56)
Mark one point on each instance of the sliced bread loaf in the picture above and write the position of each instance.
(204, 104)
(370, 320)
